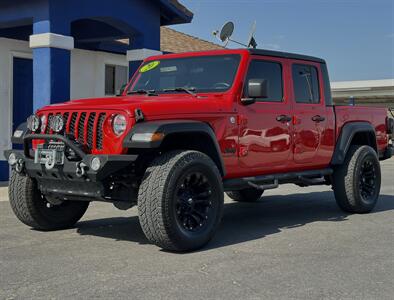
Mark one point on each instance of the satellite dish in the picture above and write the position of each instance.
(251, 40)
(226, 32)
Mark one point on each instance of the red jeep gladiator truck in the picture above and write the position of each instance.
(186, 129)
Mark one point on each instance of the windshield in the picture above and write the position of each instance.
(197, 74)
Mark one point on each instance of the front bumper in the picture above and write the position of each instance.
(109, 164)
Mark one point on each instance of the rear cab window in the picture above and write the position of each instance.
(306, 84)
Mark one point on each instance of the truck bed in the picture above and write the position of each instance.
(376, 116)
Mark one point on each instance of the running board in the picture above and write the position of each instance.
(311, 177)
(264, 187)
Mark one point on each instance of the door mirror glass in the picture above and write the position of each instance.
(258, 88)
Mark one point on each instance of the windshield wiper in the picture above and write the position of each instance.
(190, 91)
(143, 92)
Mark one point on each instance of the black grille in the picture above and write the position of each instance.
(75, 122)
(81, 128)
(65, 118)
(99, 131)
(74, 117)
(91, 119)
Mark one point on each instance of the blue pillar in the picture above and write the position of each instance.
(51, 64)
(133, 67)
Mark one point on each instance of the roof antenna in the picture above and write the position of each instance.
(224, 35)
(251, 40)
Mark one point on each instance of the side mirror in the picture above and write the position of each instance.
(256, 89)
(121, 90)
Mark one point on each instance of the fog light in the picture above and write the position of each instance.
(33, 123)
(12, 159)
(43, 123)
(95, 164)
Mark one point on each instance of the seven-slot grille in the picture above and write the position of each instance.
(86, 127)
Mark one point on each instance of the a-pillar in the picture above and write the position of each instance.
(142, 47)
(135, 58)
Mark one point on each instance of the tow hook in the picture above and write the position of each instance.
(19, 166)
(81, 169)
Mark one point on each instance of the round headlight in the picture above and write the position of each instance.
(119, 124)
(57, 123)
(43, 123)
(95, 164)
(33, 123)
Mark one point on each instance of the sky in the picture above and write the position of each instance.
(355, 37)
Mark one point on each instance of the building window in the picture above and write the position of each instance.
(270, 71)
(115, 78)
(306, 84)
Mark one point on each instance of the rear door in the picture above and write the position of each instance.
(265, 126)
(312, 119)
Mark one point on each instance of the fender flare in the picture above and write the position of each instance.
(167, 128)
(346, 136)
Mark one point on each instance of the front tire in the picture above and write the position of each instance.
(180, 200)
(32, 209)
(357, 181)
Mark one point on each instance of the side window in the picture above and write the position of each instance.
(306, 84)
(272, 72)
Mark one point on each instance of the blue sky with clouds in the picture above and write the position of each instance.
(356, 37)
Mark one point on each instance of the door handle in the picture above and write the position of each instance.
(283, 118)
(318, 119)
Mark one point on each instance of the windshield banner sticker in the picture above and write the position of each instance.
(150, 66)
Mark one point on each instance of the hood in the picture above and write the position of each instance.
(151, 106)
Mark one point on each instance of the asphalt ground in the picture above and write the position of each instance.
(293, 244)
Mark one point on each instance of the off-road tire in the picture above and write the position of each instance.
(246, 195)
(30, 207)
(158, 200)
(348, 180)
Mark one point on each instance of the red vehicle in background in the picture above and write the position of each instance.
(190, 127)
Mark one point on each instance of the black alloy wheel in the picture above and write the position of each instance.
(194, 201)
(367, 181)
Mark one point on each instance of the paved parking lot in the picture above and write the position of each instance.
(295, 243)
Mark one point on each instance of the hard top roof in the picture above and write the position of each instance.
(285, 55)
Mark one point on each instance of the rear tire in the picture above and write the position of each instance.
(180, 200)
(357, 181)
(31, 208)
(246, 195)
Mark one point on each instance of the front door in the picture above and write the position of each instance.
(265, 126)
